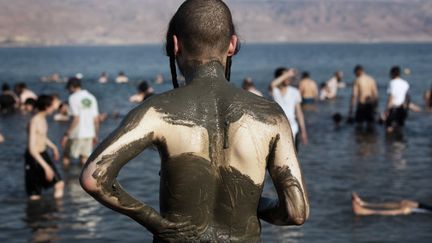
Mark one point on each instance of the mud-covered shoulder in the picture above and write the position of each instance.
(262, 109)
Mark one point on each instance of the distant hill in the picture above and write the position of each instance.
(75, 22)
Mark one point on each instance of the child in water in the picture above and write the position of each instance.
(40, 171)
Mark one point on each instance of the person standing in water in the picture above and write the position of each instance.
(365, 97)
(398, 102)
(82, 133)
(289, 98)
(329, 92)
(215, 141)
(40, 171)
(308, 89)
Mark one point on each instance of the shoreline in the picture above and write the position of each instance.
(256, 43)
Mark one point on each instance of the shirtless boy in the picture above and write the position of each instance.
(365, 96)
(308, 89)
(215, 141)
(40, 172)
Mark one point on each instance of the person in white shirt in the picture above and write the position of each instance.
(331, 86)
(398, 100)
(82, 133)
(24, 93)
(289, 99)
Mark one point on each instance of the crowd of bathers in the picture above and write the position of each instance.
(363, 105)
(364, 100)
(81, 136)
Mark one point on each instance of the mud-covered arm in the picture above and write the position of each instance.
(292, 205)
(99, 175)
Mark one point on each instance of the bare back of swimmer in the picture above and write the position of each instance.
(215, 142)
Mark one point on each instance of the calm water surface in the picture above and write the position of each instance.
(336, 161)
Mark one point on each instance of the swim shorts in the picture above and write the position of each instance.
(81, 147)
(397, 116)
(308, 101)
(422, 208)
(365, 112)
(35, 174)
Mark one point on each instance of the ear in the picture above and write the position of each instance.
(233, 45)
(177, 46)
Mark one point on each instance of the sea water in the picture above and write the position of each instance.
(335, 162)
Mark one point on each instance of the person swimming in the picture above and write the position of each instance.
(145, 91)
(121, 78)
(249, 85)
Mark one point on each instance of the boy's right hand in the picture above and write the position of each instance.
(49, 174)
(64, 141)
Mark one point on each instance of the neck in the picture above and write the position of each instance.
(203, 72)
(42, 113)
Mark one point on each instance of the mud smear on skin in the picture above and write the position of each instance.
(217, 198)
(195, 188)
(221, 201)
(209, 101)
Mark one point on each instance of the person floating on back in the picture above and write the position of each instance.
(402, 207)
(215, 141)
(40, 171)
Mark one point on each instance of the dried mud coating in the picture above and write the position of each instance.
(215, 143)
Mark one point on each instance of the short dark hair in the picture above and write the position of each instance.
(43, 102)
(247, 83)
(358, 68)
(279, 71)
(143, 86)
(30, 101)
(202, 25)
(395, 71)
(5, 87)
(73, 82)
(19, 87)
(305, 75)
